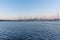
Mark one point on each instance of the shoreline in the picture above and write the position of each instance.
(32, 20)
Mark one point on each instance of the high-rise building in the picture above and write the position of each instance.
(57, 15)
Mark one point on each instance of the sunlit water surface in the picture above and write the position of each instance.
(29, 30)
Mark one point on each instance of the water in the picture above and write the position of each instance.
(29, 30)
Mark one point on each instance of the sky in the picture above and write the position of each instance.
(27, 8)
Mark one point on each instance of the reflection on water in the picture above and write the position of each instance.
(29, 30)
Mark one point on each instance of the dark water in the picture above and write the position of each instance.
(29, 30)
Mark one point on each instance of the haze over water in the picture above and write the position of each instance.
(18, 9)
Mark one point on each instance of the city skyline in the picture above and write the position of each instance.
(55, 16)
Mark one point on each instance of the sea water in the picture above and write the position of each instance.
(30, 30)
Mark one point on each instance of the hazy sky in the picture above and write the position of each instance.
(14, 8)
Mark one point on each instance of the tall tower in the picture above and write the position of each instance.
(57, 15)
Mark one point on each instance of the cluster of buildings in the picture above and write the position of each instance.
(45, 18)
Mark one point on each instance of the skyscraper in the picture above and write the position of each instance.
(57, 15)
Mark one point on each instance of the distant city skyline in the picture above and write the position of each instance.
(19, 9)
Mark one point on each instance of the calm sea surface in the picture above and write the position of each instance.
(29, 30)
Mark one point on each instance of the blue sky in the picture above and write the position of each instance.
(14, 8)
